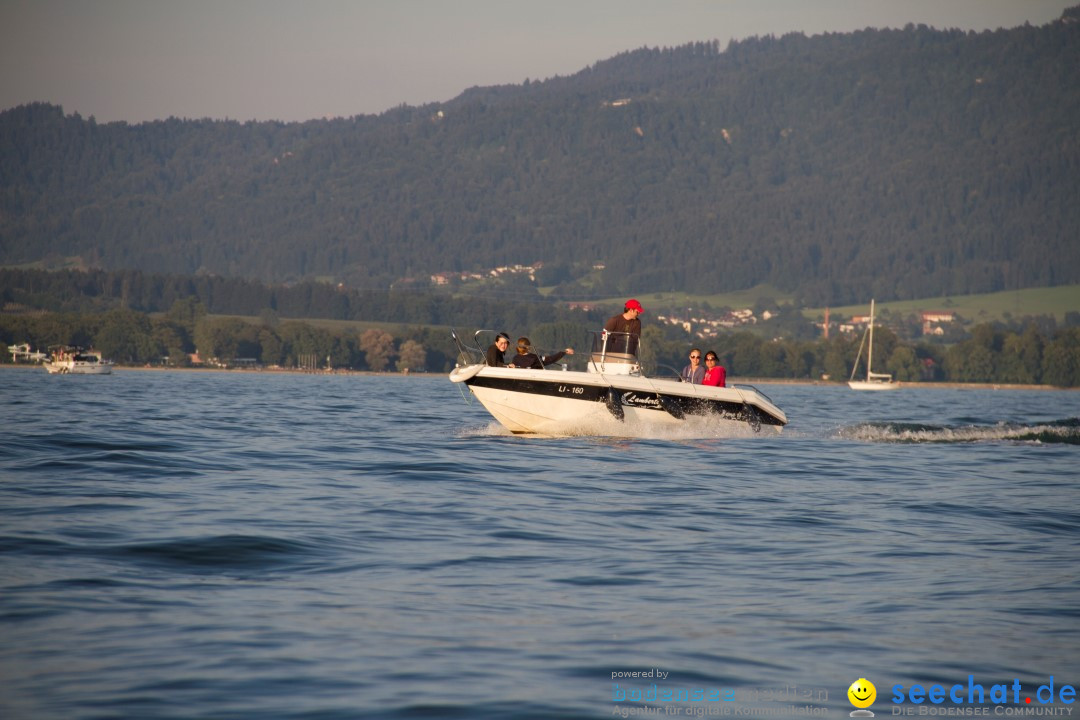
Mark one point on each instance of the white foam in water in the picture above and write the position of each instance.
(492, 428)
(692, 428)
(878, 432)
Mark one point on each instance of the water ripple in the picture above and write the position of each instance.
(284, 546)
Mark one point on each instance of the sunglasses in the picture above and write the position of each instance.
(710, 359)
(695, 357)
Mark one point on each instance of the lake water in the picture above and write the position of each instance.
(234, 545)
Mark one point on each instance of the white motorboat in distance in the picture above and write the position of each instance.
(76, 361)
(612, 397)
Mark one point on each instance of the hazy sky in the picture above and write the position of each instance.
(139, 60)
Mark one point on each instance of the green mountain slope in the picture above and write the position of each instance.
(888, 164)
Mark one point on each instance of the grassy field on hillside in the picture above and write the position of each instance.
(675, 300)
(1054, 301)
(988, 307)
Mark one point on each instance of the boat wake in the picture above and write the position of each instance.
(692, 428)
(1052, 431)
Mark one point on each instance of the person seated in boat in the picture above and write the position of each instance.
(495, 353)
(694, 373)
(628, 324)
(715, 374)
(526, 358)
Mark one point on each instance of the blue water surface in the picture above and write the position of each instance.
(249, 545)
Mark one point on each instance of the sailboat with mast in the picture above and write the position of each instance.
(873, 381)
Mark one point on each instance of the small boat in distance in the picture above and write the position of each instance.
(68, 360)
(612, 398)
(873, 381)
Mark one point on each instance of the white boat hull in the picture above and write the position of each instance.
(550, 402)
(873, 385)
(76, 367)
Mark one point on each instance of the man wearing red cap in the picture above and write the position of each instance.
(626, 322)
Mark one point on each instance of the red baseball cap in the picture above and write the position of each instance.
(632, 304)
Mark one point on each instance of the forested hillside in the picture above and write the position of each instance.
(888, 164)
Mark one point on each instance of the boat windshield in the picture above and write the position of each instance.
(615, 352)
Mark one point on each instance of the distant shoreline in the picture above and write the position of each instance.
(735, 381)
(248, 371)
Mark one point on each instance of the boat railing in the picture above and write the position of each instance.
(478, 354)
(661, 372)
(59, 353)
(541, 354)
(467, 355)
(615, 353)
(744, 386)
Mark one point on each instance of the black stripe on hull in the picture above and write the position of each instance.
(673, 404)
(572, 391)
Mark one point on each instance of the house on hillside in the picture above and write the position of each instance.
(932, 322)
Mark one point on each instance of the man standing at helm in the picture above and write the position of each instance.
(625, 322)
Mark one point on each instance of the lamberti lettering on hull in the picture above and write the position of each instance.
(638, 400)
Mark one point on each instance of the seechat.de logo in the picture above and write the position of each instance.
(974, 693)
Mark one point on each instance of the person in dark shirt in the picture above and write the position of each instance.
(526, 358)
(625, 322)
(495, 353)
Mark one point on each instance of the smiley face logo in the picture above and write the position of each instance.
(862, 693)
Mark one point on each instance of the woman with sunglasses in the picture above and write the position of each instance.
(694, 373)
(715, 374)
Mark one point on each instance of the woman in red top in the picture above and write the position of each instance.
(715, 374)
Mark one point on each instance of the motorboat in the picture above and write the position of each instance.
(873, 381)
(613, 396)
(68, 360)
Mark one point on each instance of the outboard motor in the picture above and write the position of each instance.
(752, 418)
(613, 401)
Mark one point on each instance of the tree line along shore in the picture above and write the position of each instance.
(186, 336)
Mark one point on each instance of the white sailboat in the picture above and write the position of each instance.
(873, 381)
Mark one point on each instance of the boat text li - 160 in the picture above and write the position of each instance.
(610, 397)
